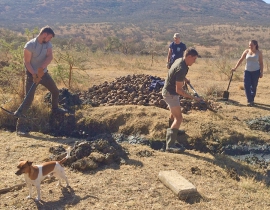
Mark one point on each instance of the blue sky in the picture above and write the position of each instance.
(267, 1)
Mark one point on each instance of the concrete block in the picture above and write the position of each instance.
(178, 184)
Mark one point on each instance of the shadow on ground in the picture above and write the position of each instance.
(69, 199)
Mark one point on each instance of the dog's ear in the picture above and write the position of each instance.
(29, 163)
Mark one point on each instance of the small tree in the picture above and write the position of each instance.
(70, 57)
(70, 61)
(15, 67)
(34, 32)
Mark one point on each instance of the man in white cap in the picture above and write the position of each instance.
(176, 50)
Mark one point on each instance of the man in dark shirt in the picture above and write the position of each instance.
(176, 50)
(173, 87)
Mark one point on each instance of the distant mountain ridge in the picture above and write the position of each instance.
(31, 12)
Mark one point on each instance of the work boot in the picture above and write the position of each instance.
(180, 132)
(181, 147)
(21, 128)
(171, 136)
(250, 104)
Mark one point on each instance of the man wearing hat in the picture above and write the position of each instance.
(176, 50)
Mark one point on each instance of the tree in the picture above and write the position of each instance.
(15, 67)
(69, 58)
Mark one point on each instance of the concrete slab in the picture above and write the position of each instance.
(178, 184)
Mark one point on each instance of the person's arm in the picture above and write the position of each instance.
(169, 58)
(240, 60)
(169, 55)
(261, 63)
(182, 92)
(187, 80)
(49, 57)
(27, 58)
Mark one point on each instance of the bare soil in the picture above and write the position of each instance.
(222, 182)
(134, 185)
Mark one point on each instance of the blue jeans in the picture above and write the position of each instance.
(251, 79)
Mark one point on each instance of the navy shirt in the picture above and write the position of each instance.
(177, 51)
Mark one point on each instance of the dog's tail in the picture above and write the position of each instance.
(65, 158)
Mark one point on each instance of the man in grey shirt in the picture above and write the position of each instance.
(38, 55)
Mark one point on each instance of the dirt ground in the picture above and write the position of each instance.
(134, 185)
(222, 183)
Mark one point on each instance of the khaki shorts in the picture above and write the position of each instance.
(171, 100)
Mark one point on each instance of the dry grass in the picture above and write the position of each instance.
(134, 185)
(231, 39)
(214, 91)
(241, 87)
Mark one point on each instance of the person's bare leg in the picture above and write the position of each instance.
(172, 132)
(177, 116)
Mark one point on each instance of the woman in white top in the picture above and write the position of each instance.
(253, 70)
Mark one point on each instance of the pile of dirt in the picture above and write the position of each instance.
(134, 89)
(93, 153)
(66, 99)
(137, 89)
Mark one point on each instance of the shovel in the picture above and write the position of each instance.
(18, 112)
(202, 102)
(194, 91)
(226, 92)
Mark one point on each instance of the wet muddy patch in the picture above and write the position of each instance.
(212, 139)
(106, 149)
(262, 124)
(251, 153)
